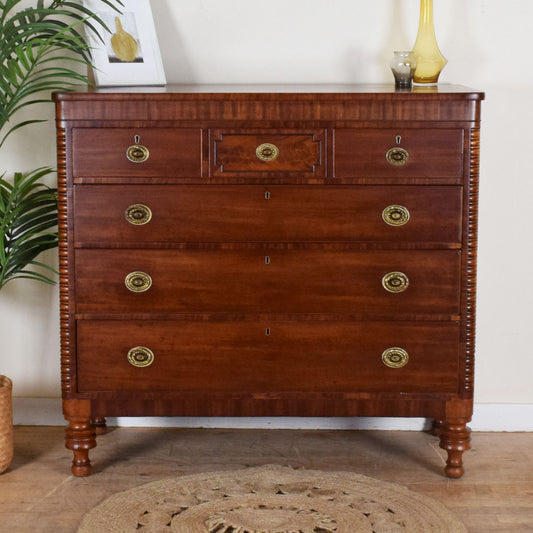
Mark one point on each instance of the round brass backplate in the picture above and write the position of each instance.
(397, 156)
(267, 152)
(396, 215)
(140, 356)
(138, 281)
(138, 214)
(395, 281)
(395, 357)
(137, 153)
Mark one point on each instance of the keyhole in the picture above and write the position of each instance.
(267, 260)
(398, 139)
(137, 139)
(267, 195)
(267, 332)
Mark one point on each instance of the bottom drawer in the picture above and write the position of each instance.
(266, 357)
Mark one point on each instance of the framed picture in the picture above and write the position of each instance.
(130, 52)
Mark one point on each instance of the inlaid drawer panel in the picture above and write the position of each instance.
(402, 153)
(136, 152)
(268, 281)
(126, 216)
(260, 357)
(238, 153)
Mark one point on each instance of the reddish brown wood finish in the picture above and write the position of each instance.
(253, 356)
(300, 153)
(267, 296)
(432, 152)
(268, 281)
(171, 152)
(266, 213)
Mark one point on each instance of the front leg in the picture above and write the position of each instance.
(455, 439)
(80, 436)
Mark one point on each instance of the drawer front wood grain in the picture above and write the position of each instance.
(275, 213)
(267, 357)
(102, 152)
(268, 281)
(253, 153)
(429, 153)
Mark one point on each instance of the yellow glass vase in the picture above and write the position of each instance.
(429, 60)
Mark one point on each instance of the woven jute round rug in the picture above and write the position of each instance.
(270, 499)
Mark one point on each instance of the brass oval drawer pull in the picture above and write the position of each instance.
(140, 356)
(397, 156)
(137, 153)
(267, 152)
(138, 281)
(396, 215)
(395, 281)
(138, 214)
(395, 357)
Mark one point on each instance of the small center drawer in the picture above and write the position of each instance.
(268, 281)
(267, 356)
(129, 215)
(137, 152)
(268, 153)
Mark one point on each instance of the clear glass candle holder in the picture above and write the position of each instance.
(403, 65)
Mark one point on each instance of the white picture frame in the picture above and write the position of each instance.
(129, 55)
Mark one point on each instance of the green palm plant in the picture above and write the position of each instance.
(41, 50)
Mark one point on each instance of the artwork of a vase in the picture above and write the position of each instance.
(123, 44)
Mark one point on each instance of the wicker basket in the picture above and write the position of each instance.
(6, 423)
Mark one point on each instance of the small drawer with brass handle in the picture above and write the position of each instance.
(138, 214)
(254, 153)
(405, 154)
(395, 282)
(112, 153)
(137, 153)
(396, 215)
(138, 281)
(395, 357)
(140, 356)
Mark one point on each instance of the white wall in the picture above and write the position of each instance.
(488, 45)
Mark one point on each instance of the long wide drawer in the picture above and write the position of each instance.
(125, 215)
(260, 357)
(263, 280)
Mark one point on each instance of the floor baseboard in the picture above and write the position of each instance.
(487, 417)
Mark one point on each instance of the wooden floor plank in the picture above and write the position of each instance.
(38, 493)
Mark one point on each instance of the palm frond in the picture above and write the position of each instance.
(28, 215)
(41, 49)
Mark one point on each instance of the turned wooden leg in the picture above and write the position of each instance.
(100, 425)
(80, 436)
(455, 439)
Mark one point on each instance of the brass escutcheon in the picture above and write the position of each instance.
(396, 215)
(267, 152)
(137, 153)
(138, 214)
(138, 281)
(140, 356)
(395, 281)
(395, 357)
(397, 156)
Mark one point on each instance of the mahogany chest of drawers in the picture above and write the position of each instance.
(305, 251)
